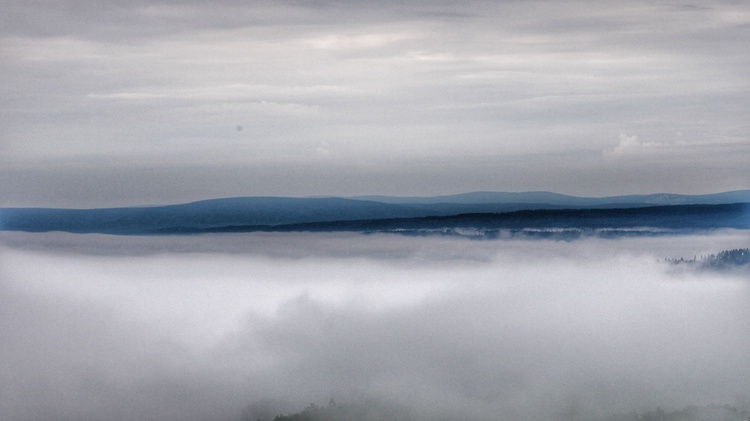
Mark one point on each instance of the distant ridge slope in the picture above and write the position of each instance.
(556, 199)
(199, 215)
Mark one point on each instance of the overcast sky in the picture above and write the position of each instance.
(117, 102)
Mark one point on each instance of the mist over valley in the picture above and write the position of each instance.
(250, 326)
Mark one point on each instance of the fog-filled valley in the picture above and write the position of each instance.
(233, 326)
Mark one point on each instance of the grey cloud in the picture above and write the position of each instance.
(74, 360)
(483, 355)
(136, 20)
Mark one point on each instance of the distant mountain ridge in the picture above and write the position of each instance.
(557, 199)
(218, 214)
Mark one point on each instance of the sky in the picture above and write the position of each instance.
(114, 102)
(208, 327)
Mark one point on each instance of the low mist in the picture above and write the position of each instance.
(253, 325)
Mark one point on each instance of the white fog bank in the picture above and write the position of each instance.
(201, 327)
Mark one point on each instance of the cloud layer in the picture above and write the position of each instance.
(203, 327)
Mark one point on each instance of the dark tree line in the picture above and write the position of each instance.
(690, 413)
(369, 410)
(726, 259)
(374, 410)
(351, 412)
(736, 257)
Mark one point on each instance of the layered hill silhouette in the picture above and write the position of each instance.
(479, 210)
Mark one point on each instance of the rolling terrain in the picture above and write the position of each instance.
(480, 210)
